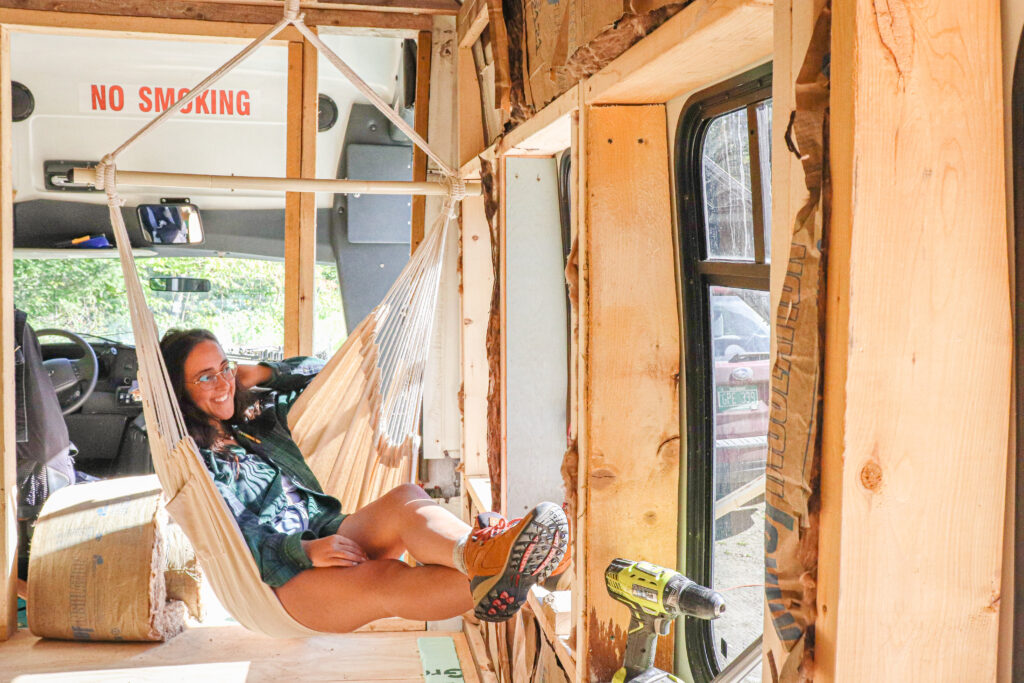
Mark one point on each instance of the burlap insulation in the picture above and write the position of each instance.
(794, 432)
(97, 568)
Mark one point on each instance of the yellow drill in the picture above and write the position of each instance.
(655, 597)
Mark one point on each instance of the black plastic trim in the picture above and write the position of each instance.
(698, 274)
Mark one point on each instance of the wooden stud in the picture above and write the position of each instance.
(471, 124)
(438, 7)
(580, 418)
(499, 50)
(422, 120)
(629, 333)
(471, 22)
(300, 207)
(477, 284)
(917, 387)
(8, 481)
(673, 59)
(501, 505)
(213, 11)
(67, 23)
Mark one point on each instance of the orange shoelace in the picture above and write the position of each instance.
(494, 529)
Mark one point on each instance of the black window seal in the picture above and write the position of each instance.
(698, 272)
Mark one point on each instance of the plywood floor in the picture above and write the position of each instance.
(225, 654)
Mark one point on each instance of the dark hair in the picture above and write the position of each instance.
(176, 345)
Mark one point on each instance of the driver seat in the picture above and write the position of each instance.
(45, 455)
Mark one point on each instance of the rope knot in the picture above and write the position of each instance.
(456, 188)
(291, 10)
(456, 192)
(106, 179)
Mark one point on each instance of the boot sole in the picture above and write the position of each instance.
(535, 554)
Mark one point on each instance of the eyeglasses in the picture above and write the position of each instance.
(207, 381)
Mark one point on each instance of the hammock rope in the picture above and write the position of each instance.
(357, 423)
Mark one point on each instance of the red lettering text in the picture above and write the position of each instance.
(99, 97)
(116, 97)
(188, 107)
(202, 106)
(145, 103)
(243, 103)
(164, 99)
(227, 104)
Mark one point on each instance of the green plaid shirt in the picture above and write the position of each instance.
(253, 490)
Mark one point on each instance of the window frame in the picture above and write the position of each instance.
(699, 273)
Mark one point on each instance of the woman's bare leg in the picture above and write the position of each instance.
(339, 600)
(406, 518)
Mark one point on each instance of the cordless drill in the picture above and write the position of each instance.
(655, 597)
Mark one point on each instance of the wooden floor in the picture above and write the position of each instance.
(225, 654)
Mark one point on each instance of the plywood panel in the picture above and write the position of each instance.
(919, 320)
(228, 654)
(629, 328)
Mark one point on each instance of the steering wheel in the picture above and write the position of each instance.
(67, 375)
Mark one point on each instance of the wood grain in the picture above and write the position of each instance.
(231, 13)
(422, 120)
(630, 457)
(471, 22)
(300, 207)
(674, 59)
(227, 653)
(8, 457)
(919, 330)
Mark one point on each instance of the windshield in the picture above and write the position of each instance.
(244, 307)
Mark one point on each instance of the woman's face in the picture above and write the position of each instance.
(216, 397)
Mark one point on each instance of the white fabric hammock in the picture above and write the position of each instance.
(357, 423)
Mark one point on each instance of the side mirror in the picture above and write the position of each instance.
(179, 284)
(171, 223)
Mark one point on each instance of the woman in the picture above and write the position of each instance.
(332, 571)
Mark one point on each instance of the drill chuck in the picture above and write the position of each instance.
(686, 597)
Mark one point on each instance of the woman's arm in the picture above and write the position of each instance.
(250, 376)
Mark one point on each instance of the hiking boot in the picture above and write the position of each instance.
(505, 559)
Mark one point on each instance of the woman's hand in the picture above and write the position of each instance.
(250, 376)
(334, 551)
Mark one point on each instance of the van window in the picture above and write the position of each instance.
(244, 307)
(724, 181)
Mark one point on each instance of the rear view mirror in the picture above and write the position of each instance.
(179, 284)
(171, 223)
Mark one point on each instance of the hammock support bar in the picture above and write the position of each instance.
(87, 176)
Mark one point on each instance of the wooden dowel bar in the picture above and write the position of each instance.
(87, 176)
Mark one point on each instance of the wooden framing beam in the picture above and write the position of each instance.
(476, 286)
(205, 10)
(917, 387)
(300, 207)
(422, 121)
(673, 60)
(33, 21)
(8, 482)
(471, 22)
(629, 377)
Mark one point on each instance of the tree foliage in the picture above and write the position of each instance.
(245, 307)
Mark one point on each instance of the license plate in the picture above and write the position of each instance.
(729, 397)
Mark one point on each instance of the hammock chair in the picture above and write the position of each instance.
(357, 423)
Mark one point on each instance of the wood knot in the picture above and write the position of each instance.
(602, 477)
(871, 476)
(651, 517)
